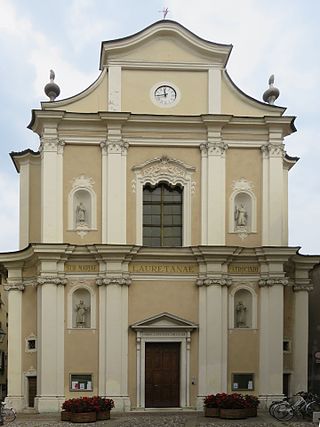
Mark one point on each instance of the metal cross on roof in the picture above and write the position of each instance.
(165, 11)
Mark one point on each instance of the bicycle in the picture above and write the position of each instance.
(8, 414)
(301, 404)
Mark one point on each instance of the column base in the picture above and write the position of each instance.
(267, 399)
(199, 403)
(121, 403)
(49, 403)
(16, 402)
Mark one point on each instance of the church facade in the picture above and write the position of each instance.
(154, 265)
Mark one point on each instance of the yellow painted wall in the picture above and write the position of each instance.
(29, 326)
(81, 347)
(136, 86)
(137, 156)
(175, 297)
(81, 160)
(91, 102)
(35, 201)
(244, 163)
(243, 355)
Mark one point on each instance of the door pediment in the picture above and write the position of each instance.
(164, 321)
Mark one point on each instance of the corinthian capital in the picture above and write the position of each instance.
(117, 146)
(114, 280)
(51, 280)
(273, 150)
(214, 281)
(51, 145)
(265, 282)
(14, 286)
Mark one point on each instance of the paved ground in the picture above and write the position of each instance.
(134, 419)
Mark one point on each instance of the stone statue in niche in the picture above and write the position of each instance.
(81, 214)
(241, 314)
(241, 216)
(81, 310)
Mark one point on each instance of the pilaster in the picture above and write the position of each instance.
(15, 397)
(273, 191)
(114, 161)
(50, 325)
(114, 88)
(51, 149)
(271, 337)
(113, 339)
(213, 179)
(213, 335)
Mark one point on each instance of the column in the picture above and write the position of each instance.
(273, 190)
(113, 351)
(114, 164)
(271, 338)
(51, 149)
(213, 182)
(50, 319)
(300, 337)
(15, 397)
(213, 336)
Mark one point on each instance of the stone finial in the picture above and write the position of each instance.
(51, 89)
(272, 93)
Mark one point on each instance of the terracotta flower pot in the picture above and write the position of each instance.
(83, 417)
(233, 414)
(103, 415)
(211, 412)
(65, 416)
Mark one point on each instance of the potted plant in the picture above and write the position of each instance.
(210, 406)
(252, 403)
(79, 410)
(66, 410)
(232, 406)
(105, 406)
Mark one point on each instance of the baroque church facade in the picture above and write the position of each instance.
(154, 265)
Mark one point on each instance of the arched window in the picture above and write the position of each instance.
(162, 215)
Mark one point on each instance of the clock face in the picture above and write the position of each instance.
(165, 95)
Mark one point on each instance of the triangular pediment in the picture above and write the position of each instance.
(164, 321)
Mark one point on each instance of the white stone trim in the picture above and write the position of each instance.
(169, 170)
(165, 83)
(24, 204)
(114, 88)
(161, 328)
(92, 306)
(232, 293)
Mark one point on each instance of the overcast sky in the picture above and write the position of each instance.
(269, 36)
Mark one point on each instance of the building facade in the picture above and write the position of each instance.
(154, 265)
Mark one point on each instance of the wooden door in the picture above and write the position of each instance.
(32, 391)
(162, 375)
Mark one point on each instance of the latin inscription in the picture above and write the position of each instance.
(163, 268)
(244, 269)
(81, 268)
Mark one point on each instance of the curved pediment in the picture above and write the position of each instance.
(164, 41)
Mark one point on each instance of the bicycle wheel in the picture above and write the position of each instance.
(312, 407)
(8, 415)
(272, 406)
(283, 412)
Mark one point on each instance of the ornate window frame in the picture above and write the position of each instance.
(93, 305)
(164, 327)
(254, 322)
(83, 183)
(174, 172)
(242, 186)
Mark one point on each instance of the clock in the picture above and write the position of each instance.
(164, 95)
